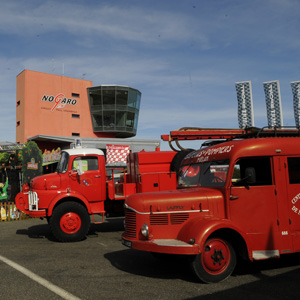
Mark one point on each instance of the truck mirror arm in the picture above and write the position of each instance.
(74, 173)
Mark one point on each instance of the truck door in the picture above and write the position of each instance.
(293, 191)
(252, 204)
(91, 183)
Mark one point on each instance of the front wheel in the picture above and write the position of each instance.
(70, 222)
(216, 262)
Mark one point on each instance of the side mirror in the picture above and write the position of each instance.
(250, 175)
(79, 168)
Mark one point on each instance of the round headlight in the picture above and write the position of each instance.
(145, 230)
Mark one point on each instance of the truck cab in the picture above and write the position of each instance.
(68, 196)
(235, 198)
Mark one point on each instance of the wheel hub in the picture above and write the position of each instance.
(215, 257)
(70, 222)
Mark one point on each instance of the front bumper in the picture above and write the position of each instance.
(170, 246)
(28, 204)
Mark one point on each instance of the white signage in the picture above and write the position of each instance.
(245, 104)
(296, 101)
(273, 103)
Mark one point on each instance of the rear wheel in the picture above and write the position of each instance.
(70, 222)
(216, 262)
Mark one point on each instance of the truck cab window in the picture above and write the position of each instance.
(62, 166)
(259, 168)
(89, 163)
(207, 174)
(294, 169)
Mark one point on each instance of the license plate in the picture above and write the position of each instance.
(126, 243)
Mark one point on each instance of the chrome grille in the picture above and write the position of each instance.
(130, 223)
(33, 201)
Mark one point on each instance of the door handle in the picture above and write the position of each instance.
(234, 197)
(97, 176)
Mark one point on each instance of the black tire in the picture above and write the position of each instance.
(70, 222)
(216, 262)
(177, 159)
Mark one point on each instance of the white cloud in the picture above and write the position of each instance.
(131, 23)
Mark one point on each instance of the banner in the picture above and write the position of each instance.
(296, 101)
(116, 153)
(245, 104)
(273, 103)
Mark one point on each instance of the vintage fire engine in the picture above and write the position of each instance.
(82, 187)
(239, 196)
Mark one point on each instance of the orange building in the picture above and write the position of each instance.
(53, 110)
(52, 105)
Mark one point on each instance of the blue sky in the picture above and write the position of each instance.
(184, 56)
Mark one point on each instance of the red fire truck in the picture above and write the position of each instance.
(238, 196)
(82, 187)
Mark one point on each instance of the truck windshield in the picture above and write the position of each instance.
(207, 174)
(63, 163)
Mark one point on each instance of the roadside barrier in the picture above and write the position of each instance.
(9, 212)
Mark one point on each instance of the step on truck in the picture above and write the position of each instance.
(82, 187)
(236, 197)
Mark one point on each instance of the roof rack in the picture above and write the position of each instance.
(194, 133)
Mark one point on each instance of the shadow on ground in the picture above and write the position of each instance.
(282, 285)
(43, 230)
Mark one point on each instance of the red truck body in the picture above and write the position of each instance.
(236, 198)
(82, 187)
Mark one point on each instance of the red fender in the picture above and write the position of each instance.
(61, 196)
(199, 229)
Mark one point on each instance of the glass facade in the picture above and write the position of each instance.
(115, 109)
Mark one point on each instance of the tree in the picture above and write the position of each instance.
(10, 159)
(32, 165)
(4, 159)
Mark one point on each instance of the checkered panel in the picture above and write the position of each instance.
(116, 153)
(296, 101)
(245, 104)
(273, 103)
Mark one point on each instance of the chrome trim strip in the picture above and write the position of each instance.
(165, 212)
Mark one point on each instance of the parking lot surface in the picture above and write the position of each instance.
(34, 266)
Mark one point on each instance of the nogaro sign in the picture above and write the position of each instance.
(59, 101)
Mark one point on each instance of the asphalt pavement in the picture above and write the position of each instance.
(35, 266)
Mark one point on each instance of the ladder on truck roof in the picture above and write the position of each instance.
(194, 133)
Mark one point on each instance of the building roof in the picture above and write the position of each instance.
(100, 143)
(9, 146)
